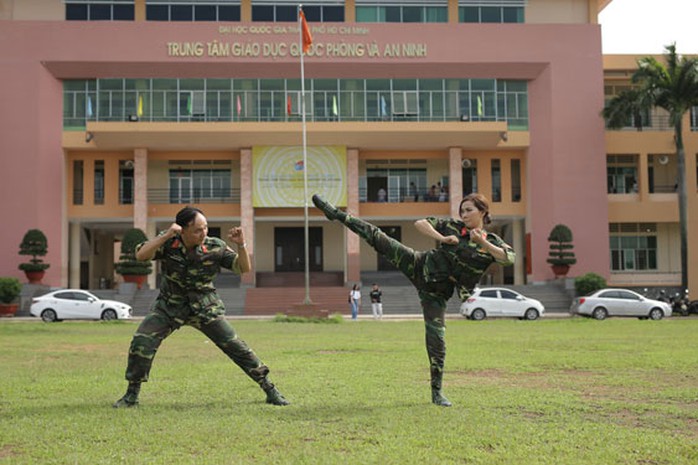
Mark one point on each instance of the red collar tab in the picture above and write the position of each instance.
(463, 231)
(176, 243)
(204, 249)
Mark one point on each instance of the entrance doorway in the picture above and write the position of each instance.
(396, 233)
(289, 249)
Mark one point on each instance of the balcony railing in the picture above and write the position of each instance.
(284, 106)
(652, 122)
(172, 196)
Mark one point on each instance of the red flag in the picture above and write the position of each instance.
(239, 106)
(288, 105)
(307, 37)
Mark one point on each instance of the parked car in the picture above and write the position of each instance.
(68, 304)
(619, 302)
(498, 301)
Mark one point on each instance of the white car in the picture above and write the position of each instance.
(498, 301)
(69, 304)
(619, 302)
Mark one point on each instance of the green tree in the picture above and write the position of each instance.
(561, 246)
(128, 264)
(672, 86)
(34, 243)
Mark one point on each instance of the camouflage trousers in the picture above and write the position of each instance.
(158, 325)
(433, 296)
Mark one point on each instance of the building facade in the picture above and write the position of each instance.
(118, 113)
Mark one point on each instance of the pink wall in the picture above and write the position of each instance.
(566, 177)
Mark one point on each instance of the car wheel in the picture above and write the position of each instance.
(599, 313)
(656, 314)
(531, 314)
(49, 315)
(109, 315)
(478, 314)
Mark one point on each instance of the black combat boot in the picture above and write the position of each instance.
(130, 399)
(439, 399)
(274, 397)
(331, 212)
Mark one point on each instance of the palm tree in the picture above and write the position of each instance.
(672, 86)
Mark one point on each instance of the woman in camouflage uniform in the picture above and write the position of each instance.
(465, 251)
(190, 260)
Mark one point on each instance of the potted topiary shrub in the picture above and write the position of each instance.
(35, 244)
(561, 255)
(10, 289)
(133, 270)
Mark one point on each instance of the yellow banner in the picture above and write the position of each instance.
(278, 175)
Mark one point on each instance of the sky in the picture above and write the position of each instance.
(646, 26)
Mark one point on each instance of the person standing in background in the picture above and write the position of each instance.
(376, 304)
(355, 301)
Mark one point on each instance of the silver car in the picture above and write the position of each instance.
(499, 301)
(619, 302)
(77, 304)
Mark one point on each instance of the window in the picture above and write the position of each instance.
(403, 183)
(207, 10)
(287, 11)
(661, 173)
(491, 11)
(425, 11)
(99, 10)
(126, 182)
(621, 174)
(99, 182)
(496, 180)
(195, 185)
(633, 246)
(78, 166)
(508, 295)
(491, 293)
(516, 180)
(327, 99)
(469, 176)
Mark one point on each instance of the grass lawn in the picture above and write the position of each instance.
(571, 391)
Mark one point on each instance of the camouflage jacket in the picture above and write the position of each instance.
(187, 276)
(461, 264)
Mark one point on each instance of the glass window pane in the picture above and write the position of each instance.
(512, 14)
(263, 13)
(229, 13)
(412, 14)
(313, 13)
(366, 14)
(204, 12)
(470, 14)
(75, 12)
(491, 14)
(392, 14)
(100, 12)
(286, 13)
(123, 13)
(181, 13)
(157, 13)
(333, 13)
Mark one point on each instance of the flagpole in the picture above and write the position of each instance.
(307, 300)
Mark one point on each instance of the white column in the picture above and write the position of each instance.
(519, 246)
(74, 251)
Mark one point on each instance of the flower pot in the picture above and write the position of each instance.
(560, 271)
(8, 309)
(139, 279)
(34, 277)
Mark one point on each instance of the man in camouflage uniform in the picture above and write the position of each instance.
(190, 260)
(464, 253)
